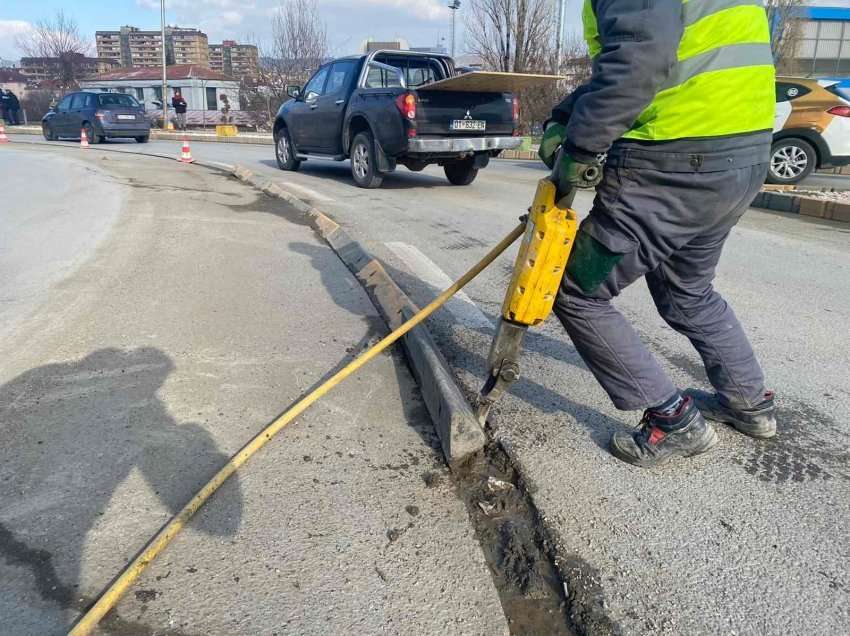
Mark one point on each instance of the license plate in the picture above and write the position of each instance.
(469, 124)
(126, 116)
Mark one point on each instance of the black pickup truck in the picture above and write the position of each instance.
(378, 111)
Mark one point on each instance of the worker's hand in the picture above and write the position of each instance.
(573, 174)
(552, 140)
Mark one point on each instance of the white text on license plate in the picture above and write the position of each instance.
(126, 116)
(469, 124)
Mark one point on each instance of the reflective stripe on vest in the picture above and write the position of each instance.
(724, 82)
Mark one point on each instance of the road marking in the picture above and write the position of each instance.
(305, 191)
(461, 305)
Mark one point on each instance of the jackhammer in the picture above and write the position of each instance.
(551, 226)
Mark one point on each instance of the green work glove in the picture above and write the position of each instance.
(578, 174)
(552, 140)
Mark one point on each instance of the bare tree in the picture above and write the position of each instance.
(511, 35)
(59, 39)
(785, 28)
(299, 43)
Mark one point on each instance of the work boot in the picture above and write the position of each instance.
(757, 421)
(661, 437)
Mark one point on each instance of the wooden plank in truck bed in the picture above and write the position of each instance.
(490, 82)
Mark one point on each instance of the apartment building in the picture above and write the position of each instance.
(132, 47)
(39, 69)
(236, 60)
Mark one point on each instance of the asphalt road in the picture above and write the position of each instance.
(750, 539)
(174, 327)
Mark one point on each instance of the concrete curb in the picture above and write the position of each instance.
(456, 424)
(804, 206)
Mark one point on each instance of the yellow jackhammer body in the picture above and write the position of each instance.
(550, 232)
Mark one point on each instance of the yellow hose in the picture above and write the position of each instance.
(120, 585)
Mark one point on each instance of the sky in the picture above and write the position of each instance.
(350, 22)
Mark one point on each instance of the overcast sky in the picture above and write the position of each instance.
(350, 22)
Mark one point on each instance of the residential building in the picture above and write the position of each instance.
(200, 87)
(236, 60)
(132, 47)
(39, 69)
(822, 37)
(13, 80)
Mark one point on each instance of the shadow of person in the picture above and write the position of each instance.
(73, 433)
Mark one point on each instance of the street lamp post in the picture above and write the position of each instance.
(559, 50)
(164, 67)
(454, 5)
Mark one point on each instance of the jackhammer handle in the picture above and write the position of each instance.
(564, 199)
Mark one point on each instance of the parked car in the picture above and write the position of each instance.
(372, 109)
(101, 115)
(811, 129)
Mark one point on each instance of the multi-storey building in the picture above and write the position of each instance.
(132, 47)
(236, 60)
(39, 69)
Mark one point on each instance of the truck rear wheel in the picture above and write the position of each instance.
(364, 168)
(462, 172)
(285, 152)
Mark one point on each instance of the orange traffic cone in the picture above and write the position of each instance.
(186, 153)
(3, 138)
(84, 139)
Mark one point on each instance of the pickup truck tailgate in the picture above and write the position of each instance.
(436, 112)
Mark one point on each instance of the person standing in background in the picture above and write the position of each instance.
(179, 105)
(13, 108)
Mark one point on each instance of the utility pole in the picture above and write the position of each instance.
(164, 68)
(454, 5)
(559, 50)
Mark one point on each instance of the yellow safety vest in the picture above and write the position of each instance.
(724, 82)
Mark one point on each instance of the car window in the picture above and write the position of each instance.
(65, 104)
(79, 101)
(787, 91)
(91, 101)
(417, 70)
(340, 76)
(316, 85)
(117, 99)
(381, 78)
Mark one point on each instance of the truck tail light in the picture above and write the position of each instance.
(406, 103)
(841, 111)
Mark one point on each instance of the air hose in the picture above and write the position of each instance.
(110, 597)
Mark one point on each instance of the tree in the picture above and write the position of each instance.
(784, 18)
(519, 36)
(57, 38)
(299, 43)
(511, 35)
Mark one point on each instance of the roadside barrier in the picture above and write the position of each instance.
(84, 139)
(186, 153)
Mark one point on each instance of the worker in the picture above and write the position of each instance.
(681, 99)
(180, 106)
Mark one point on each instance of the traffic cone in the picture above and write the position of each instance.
(84, 139)
(3, 138)
(186, 153)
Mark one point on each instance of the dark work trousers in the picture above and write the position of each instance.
(665, 217)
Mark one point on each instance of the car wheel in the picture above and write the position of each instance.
(791, 161)
(47, 131)
(143, 139)
(461, 173)
(285, 152)
(364, 168)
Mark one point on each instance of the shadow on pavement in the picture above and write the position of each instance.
(401, 179)
(73, 432)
